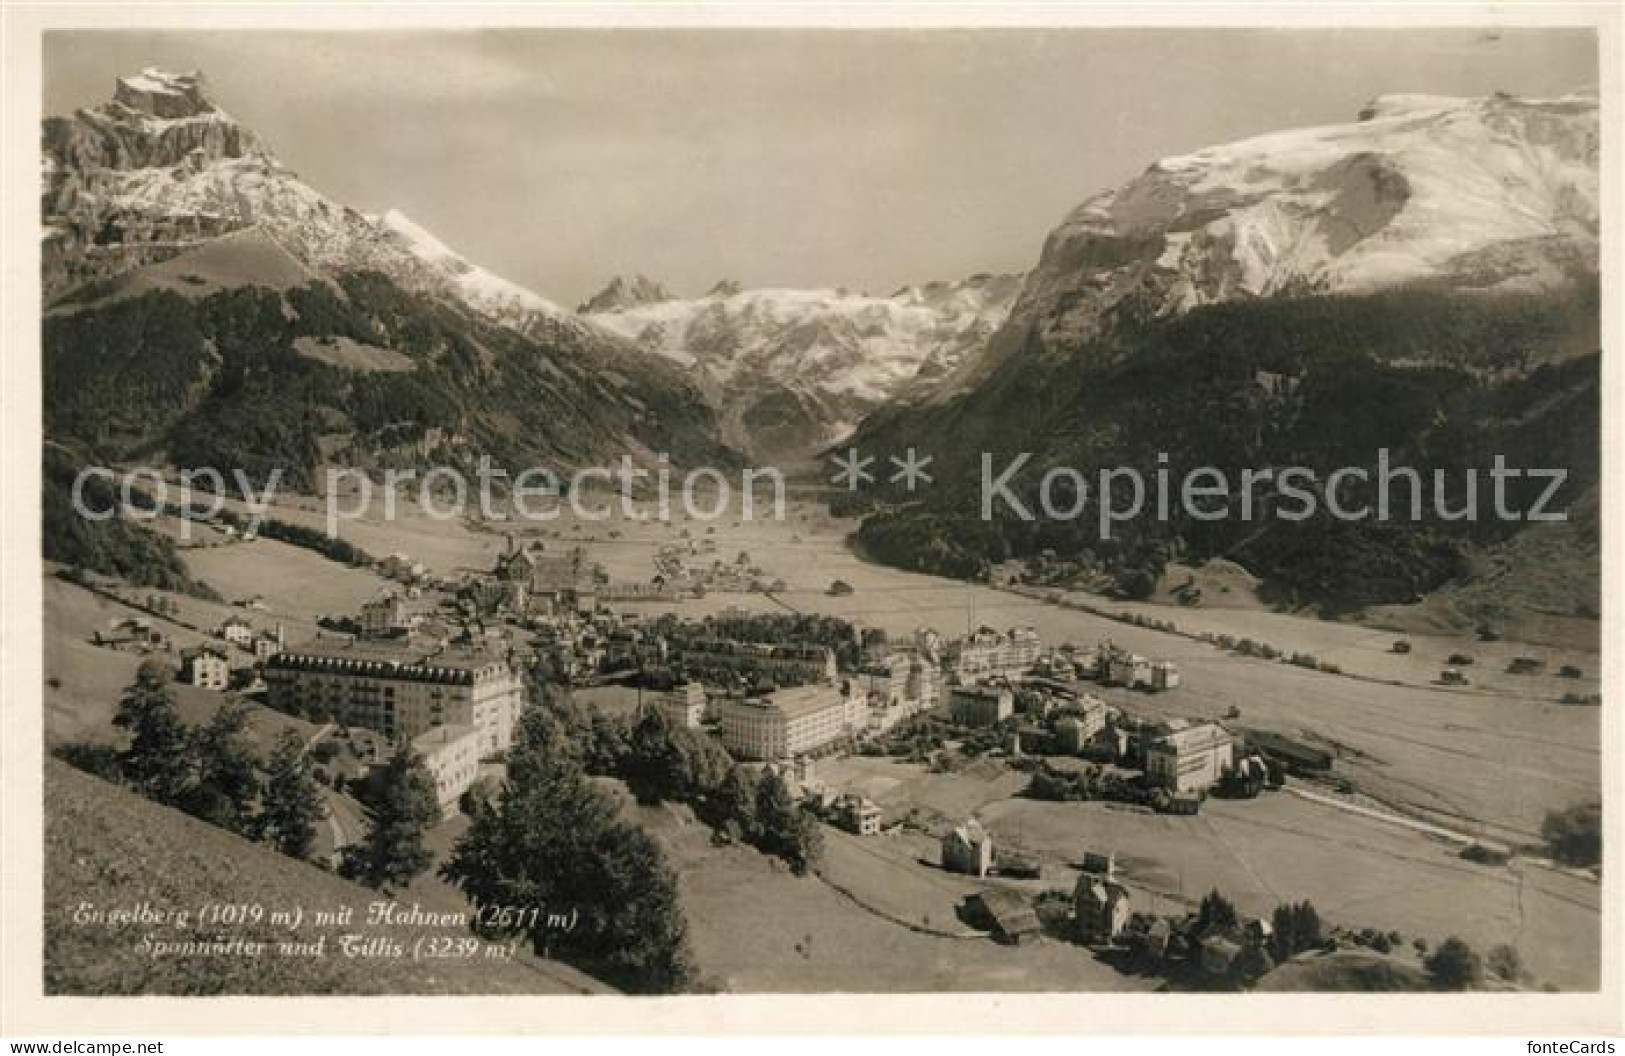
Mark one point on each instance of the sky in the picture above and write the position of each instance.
(864, 159)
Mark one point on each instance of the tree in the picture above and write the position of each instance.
(155, 761)
(402, 807)
(1454, 965)
(736, 802)
(226, 786)
(292, 802)
(1574, 836)
(1216, 915)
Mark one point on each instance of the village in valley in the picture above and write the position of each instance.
(1092, 810)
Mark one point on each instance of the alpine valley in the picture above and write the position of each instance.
(1422, 279)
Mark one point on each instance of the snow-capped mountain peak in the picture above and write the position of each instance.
(623, 292)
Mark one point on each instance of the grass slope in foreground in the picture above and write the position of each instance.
(111, 849)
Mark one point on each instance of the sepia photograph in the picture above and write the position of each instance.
(987, 509)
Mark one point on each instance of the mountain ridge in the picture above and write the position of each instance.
(791, 369)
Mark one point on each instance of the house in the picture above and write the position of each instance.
(858, 814)
(1164, 675)
(268, 643)
(1190, 760)
(1101, 906)
(400, 687)
(206, 667)
(968, 849)
(451, 754)
(987, 654)
(1082, 721)
(383, 617)
(1127, 669)
(914, 682)
(980, 705)
(1007, 915)
(1256, 932)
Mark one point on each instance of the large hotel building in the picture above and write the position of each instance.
(785, 724)
(401, 687)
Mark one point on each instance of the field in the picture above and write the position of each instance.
(756, 928)
(1497, 755)
(83, 682)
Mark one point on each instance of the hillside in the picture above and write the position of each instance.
(112, 849)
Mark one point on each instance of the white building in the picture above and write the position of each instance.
(1191, 759)
(268, 643)
(206, 667)
(452, 756)
(237, 631)
(980, 705)
(400, 687)
(382, 617)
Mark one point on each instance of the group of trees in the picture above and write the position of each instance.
(111, 546)
(552, 841)
(832, 632)
(1088, 784)
(209, 771)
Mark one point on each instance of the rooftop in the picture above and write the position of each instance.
(441, 736)
(409, 655)
(799, 701)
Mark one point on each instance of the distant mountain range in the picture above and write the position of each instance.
(161, 183)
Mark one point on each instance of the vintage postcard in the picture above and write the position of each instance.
(876, 511)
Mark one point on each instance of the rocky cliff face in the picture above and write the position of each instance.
(624, 293)
(792, 369)
(161, 168)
